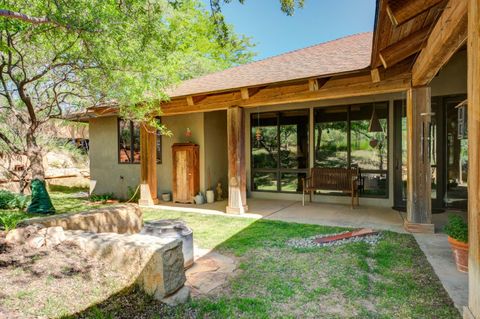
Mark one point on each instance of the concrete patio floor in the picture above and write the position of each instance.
(434, 246)
(312, 213)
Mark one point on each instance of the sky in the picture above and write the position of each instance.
(274, 33)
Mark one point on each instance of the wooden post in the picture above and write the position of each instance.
(148, 166)
(473, 48)
(237, 178)
(419, 175)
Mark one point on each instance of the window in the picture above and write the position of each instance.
(129, 142)
(279, 150)
(331, 137)
(342, 139)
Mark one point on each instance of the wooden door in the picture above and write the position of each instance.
(186, 174)
(181, 176)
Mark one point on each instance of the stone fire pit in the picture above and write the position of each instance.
(172, 229)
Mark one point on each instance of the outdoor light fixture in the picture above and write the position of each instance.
(375, 125)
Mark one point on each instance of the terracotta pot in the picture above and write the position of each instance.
(460, 253)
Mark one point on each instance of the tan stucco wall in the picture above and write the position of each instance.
(107, 175)
(216, 153)
(178, 125)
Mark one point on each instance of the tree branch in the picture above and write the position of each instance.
(26, 18)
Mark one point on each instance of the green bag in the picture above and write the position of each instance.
(41, 203)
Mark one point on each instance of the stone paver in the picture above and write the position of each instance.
(210, 271)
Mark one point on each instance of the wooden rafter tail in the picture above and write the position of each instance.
(404, 48)
(402, 11)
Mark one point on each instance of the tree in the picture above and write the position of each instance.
(58, 55)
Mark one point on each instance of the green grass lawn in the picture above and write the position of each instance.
(389, 280)
(63, 199)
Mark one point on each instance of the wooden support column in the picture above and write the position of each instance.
(237, 178)
(148, 166)
(473, 48)
(419, 175)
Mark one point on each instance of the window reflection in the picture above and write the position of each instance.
(279, 150)
(342, 139)
(331, 137)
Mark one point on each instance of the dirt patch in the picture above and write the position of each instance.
(52, 282)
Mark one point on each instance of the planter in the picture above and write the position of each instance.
(166, 197)
(460, 253)
(210, 196)
(199, 200)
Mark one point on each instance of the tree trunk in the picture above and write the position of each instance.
(35, 156)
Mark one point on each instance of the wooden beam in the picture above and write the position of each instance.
(375, 73)
(329, 88)
(334, 89)
(237, 178)
(419, 175)
(402, 11)
(244, 93)
(404, 48)
(148, 166)
(313, 85)
(473, 47)
(190, 101)
(447, 36)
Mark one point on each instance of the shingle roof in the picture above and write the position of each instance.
(346, 54)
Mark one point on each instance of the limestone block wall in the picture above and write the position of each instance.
(122, 219)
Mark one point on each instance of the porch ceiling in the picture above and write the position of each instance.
(422, 33)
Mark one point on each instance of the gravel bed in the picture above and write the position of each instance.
(310, 241)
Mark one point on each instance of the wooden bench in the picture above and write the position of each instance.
(337, 179)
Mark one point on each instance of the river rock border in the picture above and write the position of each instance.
(310, 242)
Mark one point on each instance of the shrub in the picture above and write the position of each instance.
(457, 228)
(10, 220)
(5, 198)
(19, 202)
(101, 197)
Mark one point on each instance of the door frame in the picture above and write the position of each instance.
(439, 109)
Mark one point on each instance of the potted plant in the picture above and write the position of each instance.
(457, 231)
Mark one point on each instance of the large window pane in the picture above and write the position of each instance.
(280, 154)
(264, 140)
(342, 140)
(265, 181)
(331, 137)
(292, 182)
(294, 139)
(374, 184)
(369, 149)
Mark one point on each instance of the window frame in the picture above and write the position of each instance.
(349, 147)
(278, 170)
(158, 143)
